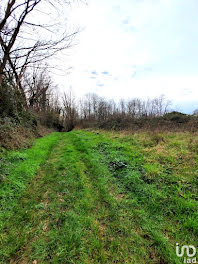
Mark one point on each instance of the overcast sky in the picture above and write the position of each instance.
(136, 48)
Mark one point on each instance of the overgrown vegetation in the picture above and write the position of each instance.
(101, 197)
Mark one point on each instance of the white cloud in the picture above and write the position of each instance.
(157, 37)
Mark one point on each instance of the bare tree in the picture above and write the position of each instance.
(38, 88)
(69, 111)
(23, 40)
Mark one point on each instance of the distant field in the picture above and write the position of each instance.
(99, 197)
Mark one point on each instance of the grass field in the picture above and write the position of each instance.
(99, 197)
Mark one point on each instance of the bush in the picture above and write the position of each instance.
(177, 117)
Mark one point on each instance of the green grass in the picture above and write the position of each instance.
(17, 168)
(87, 197)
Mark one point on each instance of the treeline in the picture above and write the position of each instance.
(98, 112)
(94, 107)
(39, 102)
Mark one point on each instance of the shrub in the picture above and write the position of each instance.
(177, 117)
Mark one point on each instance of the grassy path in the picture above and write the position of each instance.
(81, 207)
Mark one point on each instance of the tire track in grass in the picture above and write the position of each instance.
(122, 243)
(54, 223)
(22, 167)
(63, 188)
(116, 154)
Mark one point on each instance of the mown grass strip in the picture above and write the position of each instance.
(21, 168)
